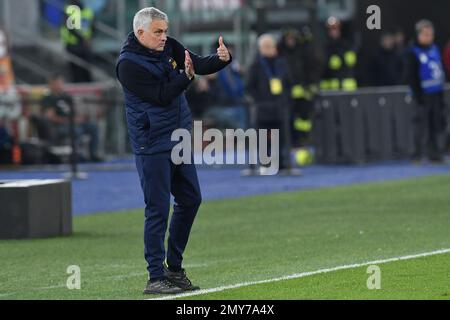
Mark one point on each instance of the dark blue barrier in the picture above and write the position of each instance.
(366, 125)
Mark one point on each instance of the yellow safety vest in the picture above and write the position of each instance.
(303, 125)
(87, 19)
(335, 63)
(300, 92)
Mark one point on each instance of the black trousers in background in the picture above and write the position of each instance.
(301, 109)
(283, 152)
(429, 127)
(80, 74)
(277, 114)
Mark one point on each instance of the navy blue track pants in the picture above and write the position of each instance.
(159, 179)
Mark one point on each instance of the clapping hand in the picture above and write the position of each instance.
(188, 65)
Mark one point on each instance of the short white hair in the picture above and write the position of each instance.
(145, 16)
(423, 24)
(264, 38)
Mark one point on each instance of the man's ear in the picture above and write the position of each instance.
(140, 32)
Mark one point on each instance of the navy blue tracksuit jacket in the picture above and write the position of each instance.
(155, 104)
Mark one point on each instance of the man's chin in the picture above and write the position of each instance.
(157, 49)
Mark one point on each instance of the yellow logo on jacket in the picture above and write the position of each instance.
(173, 63)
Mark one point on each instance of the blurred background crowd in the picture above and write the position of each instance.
(285, 52)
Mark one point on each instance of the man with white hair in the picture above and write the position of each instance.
(269, 81)
(155, 70)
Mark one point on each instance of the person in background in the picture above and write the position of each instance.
(78, 41)
(231, 83)
(384, 69)
(446, 59)
(200, 96)
(296, 48)
(341, 60)
(269, 83)
(401, 52)
(56, 109)
(6, 144)
(52, 13)
(426, 78)
(230, 95)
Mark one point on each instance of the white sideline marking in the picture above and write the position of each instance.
(59, 286)
(301, 275)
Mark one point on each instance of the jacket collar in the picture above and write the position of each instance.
(423, 47)
(133, 45)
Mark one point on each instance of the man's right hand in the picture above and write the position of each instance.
(188, 65)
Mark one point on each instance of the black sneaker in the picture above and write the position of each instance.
(163, 286)
(180, 279)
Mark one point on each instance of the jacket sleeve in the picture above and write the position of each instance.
(412, 77)
(208, 64)
(141, 82)
(202, 65)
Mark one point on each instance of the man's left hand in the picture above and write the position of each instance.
(222, 51)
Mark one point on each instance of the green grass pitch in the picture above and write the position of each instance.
(254, 239)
